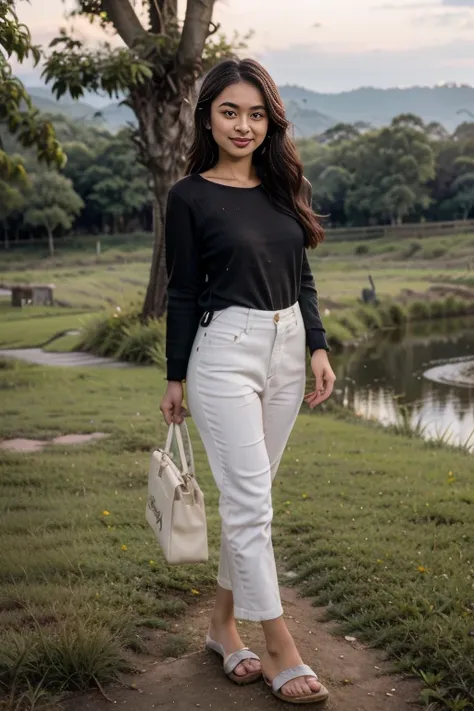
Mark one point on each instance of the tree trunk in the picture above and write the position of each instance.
(164, 106)
(168, 128)
(50, 241)
(155, 299)
(5, 234)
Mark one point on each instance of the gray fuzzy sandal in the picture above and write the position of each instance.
(288, 675)
(232, 661)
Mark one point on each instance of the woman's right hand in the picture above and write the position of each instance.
(172, 403)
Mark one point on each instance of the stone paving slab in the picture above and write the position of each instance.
(37, 445)
(22, 445)
(73, 360)
(79, 438)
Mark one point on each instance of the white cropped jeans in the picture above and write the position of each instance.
(245, 385)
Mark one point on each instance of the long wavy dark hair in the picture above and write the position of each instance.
(276, 160)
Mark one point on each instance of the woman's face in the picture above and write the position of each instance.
(239, 120)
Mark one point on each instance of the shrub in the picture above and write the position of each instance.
(140, 341)
(352, 323)
(393, 314)
(419, 311)
(437, 309)
(362, 249)
(103, 335)
(434, 252)
(370, 317)
(74, 657)
(454, 306)
(122, 335)
(336, 333)
(175, 646)
(412, 249)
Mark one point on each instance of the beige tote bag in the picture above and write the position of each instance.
(175, 505)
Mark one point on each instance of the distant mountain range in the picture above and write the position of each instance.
(112, 116)
(446, 104)
(310, 112)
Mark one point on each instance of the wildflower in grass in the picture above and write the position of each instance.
(287, 503)
(124, 547)
(152, 562)
(195, 592)
(421, 569)
(106, 513)
(304, 496)
(451, 478)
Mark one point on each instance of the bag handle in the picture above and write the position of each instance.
(176, 430)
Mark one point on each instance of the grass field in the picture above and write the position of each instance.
(32, 326)
(376, 526)
(120, 274)
(373, 524)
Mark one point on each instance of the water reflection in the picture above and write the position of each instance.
(379, 376)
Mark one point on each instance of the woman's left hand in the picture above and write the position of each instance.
(324, 376)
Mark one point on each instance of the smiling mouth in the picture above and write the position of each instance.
(242, 142)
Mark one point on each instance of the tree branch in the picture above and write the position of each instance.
(155, 17)
(195, 32)
(213, 28)
(160, 13)
(124, 19)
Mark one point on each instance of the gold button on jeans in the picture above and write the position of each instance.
(276, 318)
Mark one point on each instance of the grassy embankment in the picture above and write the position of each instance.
(377, 526)
(425, 279)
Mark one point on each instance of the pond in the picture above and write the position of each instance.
(423, 376)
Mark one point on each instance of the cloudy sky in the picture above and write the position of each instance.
(329, 45)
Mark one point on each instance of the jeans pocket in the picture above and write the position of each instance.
(221, 337)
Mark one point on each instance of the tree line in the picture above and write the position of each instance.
(407, 171)
(102, 187)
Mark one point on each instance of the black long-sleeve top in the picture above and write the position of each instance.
(228, 246)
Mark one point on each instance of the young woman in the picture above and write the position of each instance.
(242, 307)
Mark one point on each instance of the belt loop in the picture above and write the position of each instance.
(247, 325)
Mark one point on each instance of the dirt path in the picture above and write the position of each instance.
(355, 675)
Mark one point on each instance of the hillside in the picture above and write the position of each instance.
(45, 102)
(379, 106)
(112, 115)
(311, 112)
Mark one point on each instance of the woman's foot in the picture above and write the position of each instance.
(287, 657)
(226, 633)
